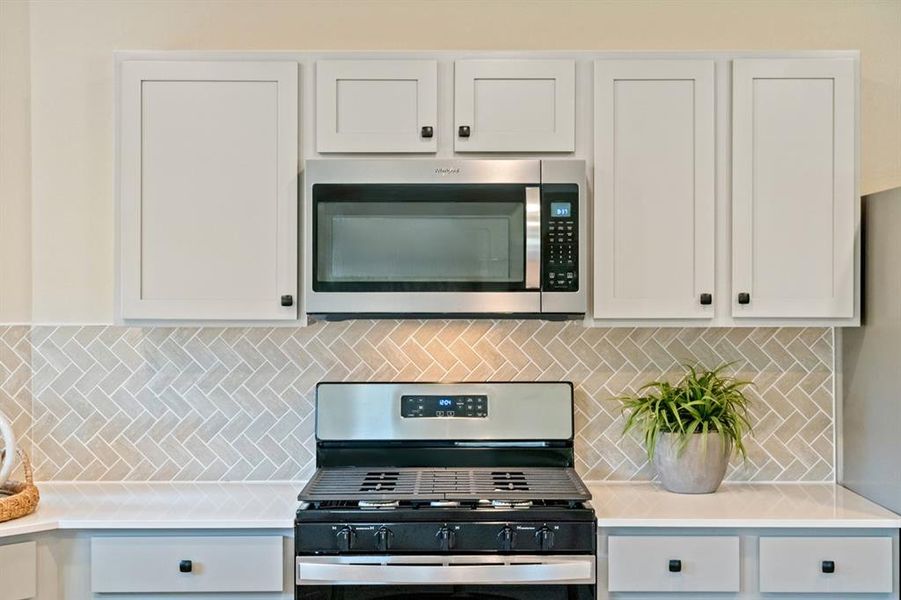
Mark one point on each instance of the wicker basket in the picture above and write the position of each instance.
(18, 499)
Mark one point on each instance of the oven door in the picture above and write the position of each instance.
(425, 248)
(451, 577)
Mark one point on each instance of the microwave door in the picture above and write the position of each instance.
(426, 248)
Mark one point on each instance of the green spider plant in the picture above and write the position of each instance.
(703, 401)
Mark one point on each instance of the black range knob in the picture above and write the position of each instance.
(675, 566)
(545, 538)
(345, 538)
(383, 539)
(506, 539)
(828, 566)
(446, 538)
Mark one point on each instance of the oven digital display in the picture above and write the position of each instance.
(561, 210)
(466, 406)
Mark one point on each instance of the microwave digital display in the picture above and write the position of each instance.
(561, 210)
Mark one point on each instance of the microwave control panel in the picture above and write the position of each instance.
(560, 237)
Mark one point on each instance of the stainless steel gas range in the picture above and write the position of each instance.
(445, 491)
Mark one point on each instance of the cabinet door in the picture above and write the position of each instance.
(152, 564)
(702, 563)
(794, 204)
(208, 190)
(826, 565)
(18, 571)
(514, 105)
(376, 105)
(654, 191)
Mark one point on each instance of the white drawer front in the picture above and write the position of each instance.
(795, 565)
(218, 564)
(18, 571)
(642, 564)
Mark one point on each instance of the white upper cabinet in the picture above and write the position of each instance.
(208, 190)
(507, 105)
(794, 193)
(376, 106)
(654, 218)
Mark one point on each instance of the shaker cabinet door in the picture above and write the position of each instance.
(208, 190)
(794, 194)
(376, 106)
(507, 105)
(18, 571)
(654, 219)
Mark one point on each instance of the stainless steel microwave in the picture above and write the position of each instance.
(426, 237)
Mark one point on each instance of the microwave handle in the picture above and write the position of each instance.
(533, 238)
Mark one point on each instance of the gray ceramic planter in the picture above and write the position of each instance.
(694, 469)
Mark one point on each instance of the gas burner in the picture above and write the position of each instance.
(378, 504)
(514, 504)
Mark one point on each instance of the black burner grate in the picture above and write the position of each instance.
(428, 484)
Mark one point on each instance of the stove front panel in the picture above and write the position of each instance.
(520, 537)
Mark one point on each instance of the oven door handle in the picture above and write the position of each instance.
(533, 238)
(575, 571)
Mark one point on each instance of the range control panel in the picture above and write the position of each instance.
(468, 406)
(560, 237)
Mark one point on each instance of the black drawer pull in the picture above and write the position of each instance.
(706, 299)
(675, 566)
(463, 131)
(427, 131)
(185, 566)
(287, 300)
(744, 298)
(828, 566)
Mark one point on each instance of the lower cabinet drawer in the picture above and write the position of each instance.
(18, 571)
(187, 564)
(673, 564)
(837, 565)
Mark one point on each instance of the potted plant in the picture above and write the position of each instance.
(691, 428)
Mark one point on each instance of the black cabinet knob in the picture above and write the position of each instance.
(744, 298)
(185, 566)
(287, 300)
(427, 131)
(463, 131)
(675, 566)
(828, 566)
(706, 299)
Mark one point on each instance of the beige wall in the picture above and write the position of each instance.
(71, 45)
(15, 162)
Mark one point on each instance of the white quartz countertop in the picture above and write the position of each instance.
(272, 506)
(739, 505)
(132, 505)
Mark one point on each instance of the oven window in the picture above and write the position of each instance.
(460, 592)
(419, 237)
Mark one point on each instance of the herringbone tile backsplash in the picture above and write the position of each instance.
(120, 403)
